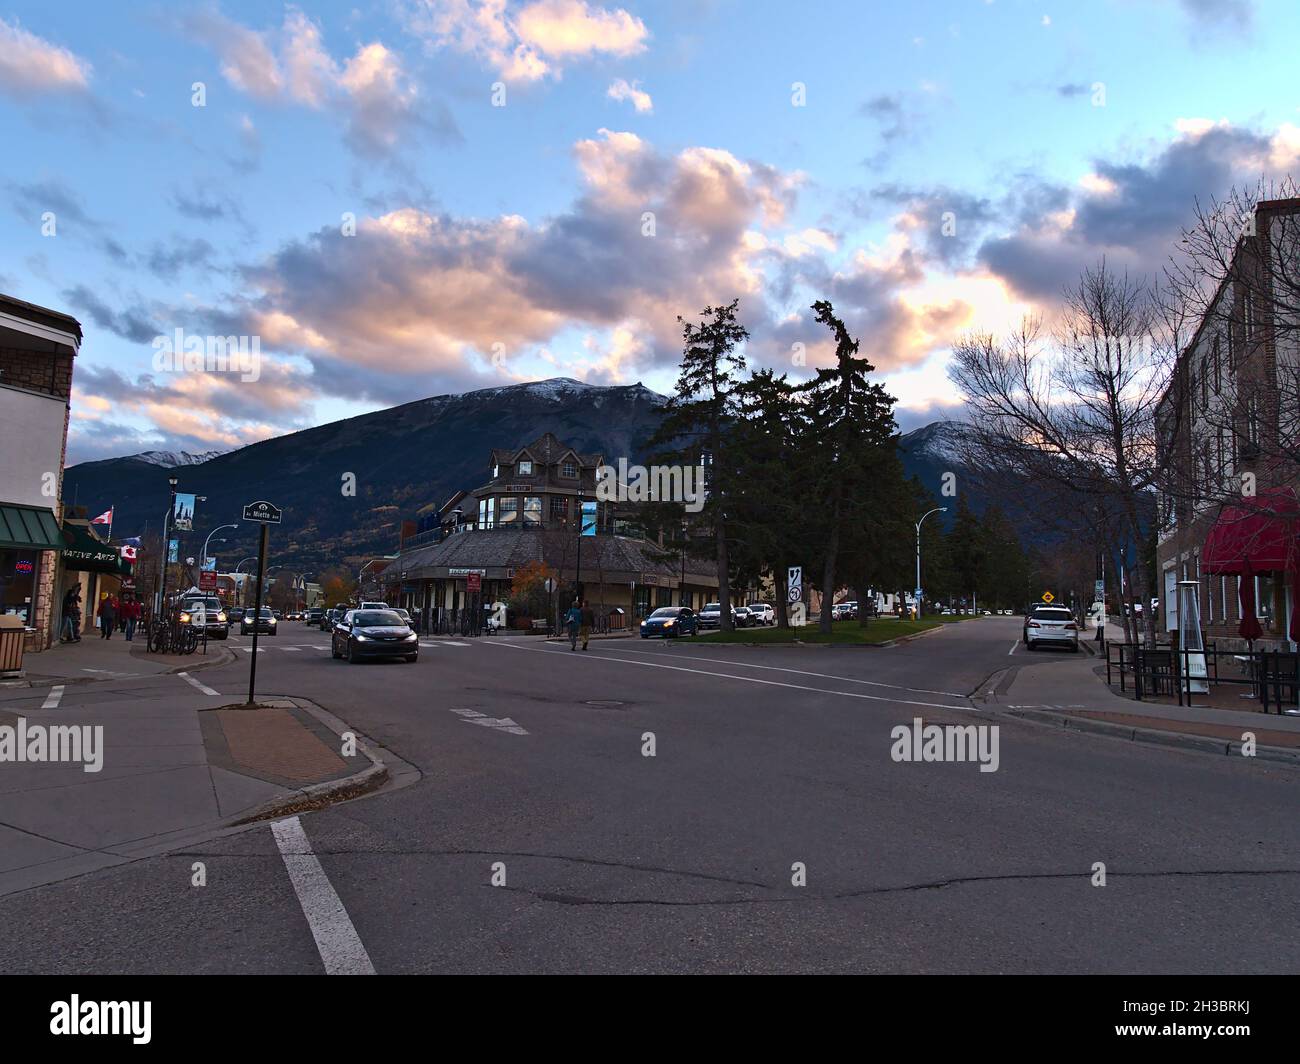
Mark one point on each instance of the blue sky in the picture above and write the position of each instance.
(787, 152)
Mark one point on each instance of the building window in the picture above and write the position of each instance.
(1248, 314)
(533, 511)
(1205, 384)
(1232, 349)
(509, 510)
(559, 510)
(569, 471)
(525, 469)
(487, 512)
(496, 470)
(1218, 366)
(1252, 422)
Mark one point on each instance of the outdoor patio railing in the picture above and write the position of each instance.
(1273, 676)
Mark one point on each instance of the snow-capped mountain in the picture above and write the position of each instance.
(175, 459)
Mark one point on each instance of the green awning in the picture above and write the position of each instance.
(82, 552)
(29, 528)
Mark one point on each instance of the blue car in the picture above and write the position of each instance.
(669, 622)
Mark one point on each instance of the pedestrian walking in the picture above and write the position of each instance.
(131, 610)
(107, 616)
(588, 617)
(71, 631)
(573, 622)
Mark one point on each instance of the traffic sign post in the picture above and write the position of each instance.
(265, 514)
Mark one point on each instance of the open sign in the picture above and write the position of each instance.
(24, 565)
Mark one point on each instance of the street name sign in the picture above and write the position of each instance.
(264, 512)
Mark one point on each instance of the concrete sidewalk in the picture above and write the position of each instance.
(172, 769)
(109, 659)
(1072, 691)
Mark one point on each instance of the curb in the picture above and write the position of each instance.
(318, 795)
(1155, 737)
(227, 657)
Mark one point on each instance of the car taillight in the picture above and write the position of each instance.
(1071, 627)
(1033, 624)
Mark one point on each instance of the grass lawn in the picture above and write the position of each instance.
(881, 630)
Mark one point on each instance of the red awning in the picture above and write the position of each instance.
(1261, 529)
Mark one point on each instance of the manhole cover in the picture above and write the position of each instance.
(604, 703)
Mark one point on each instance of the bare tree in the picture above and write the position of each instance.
(1075, 411)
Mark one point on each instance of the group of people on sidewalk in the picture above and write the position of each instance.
(579, 621)
(113, 614)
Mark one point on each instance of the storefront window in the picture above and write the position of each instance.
(509, 510)
(17, 581)
(1264, 603)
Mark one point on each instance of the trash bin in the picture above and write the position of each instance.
(12, 633)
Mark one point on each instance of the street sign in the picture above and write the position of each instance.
(1048, 597)
(207, 580)
(264, 512)
(794, 584)
(473, 582)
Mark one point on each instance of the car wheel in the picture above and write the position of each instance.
(352, 654)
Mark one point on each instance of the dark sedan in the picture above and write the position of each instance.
(669, 622)
(365, 634)
(264, 623)
(328, 618)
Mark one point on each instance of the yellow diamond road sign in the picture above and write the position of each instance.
(1048, 596)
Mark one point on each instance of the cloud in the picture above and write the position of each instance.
(527, 42)
(380, 102)
(1220, 14)
(622, 91)
(31, 66)
(134, 324)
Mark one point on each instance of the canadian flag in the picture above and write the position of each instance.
(128, 553)
(106, 518)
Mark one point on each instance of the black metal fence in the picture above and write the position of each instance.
(1272, 676)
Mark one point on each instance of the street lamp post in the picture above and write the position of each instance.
(160, 605)
(936, 510)
(204, 555)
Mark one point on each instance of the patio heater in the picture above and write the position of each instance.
(1191, 646)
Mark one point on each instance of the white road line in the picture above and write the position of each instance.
(750, 679)
(805, 672)
(473, 716)
(1013, 648)
(296, 650)
(428, 646)
(195, 683)
(52, 699)
(249, 650)
(337, 941)
(453, 643)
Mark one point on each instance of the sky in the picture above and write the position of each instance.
(405, 198)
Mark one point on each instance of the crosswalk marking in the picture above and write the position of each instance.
(195, 683)
(52, 699)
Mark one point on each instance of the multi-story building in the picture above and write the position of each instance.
(37, 348)
(539, 506)
(1228, 448)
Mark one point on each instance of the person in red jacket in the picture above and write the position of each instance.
(131, 612)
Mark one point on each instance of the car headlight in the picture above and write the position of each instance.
(221, 617)
(669, 624)
(410, 637)
(272, 620)
(185, 618)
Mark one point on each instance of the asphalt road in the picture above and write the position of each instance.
(764, 758)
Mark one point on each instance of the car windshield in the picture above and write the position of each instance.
(715, 606)
(212, 605)
(667, 611)
(376, 619)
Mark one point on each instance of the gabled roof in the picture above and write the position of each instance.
(547, 449)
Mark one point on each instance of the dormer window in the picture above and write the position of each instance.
(569, 471)
(525, 468)
(496, 470)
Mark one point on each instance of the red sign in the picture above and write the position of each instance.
(207, 581)
(473, 582)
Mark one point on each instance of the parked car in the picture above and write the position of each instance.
(215, 620)
(264, 622)
(711, 616)
(742, 618)
(374, 606)
(669, 622)
(403, 614)
(312, 616)
(762, 612)
(235, 614)
(367, 633)
(1051, 625)
(844, 611)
